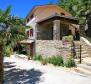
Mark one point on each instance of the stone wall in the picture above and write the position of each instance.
(52, 47)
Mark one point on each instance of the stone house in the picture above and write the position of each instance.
(49, 23)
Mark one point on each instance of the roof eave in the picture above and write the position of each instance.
(58, 17)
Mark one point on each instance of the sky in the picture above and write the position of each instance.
(22, 7)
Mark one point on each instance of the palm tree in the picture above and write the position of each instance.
(3, 18)
(16, 31)
(12, 30)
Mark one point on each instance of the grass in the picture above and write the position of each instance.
(56, 61)
(37, 58)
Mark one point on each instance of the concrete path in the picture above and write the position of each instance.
(19, 71)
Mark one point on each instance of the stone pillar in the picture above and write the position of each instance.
(56, 30)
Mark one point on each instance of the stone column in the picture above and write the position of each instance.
(56, 30)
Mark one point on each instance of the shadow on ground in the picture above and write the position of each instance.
(18, 76)
(9, 65)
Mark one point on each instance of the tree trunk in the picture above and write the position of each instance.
(1, 64)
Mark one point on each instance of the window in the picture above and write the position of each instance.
(30, 33)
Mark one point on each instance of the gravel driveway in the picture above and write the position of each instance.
(20, 71)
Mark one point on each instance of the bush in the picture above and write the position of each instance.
(37, 57)
(70, 38)
(67, 38)
(70, 62)
(7, 51)
(44, 61)
(56, 60)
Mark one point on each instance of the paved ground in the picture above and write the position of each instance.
(19, 71)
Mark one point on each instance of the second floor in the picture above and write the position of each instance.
(44, 11)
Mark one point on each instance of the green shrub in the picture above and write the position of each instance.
(56, 60)
(67, 38)
(70, 62)
(7, 51)
(37, 57)
(44, 61)
(70, 38)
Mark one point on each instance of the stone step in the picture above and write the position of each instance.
(87, 61)
(77, 61)
(85, 55)
(83, 71)
(81, 49)
(78, 57)
(82, 52)
(85, 66)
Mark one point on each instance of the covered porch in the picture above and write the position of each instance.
(57, 26)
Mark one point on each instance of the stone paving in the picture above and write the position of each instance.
(21, 71)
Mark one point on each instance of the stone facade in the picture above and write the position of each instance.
(52, 47)
(49, 26)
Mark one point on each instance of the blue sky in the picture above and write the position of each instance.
(22, 7)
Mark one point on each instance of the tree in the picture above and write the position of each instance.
(14, 33)
(77, 8)
(12, 29)
(3, 18)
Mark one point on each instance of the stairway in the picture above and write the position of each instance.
(84, 52)
(85, 48)
(86, 45)
(85, 66)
